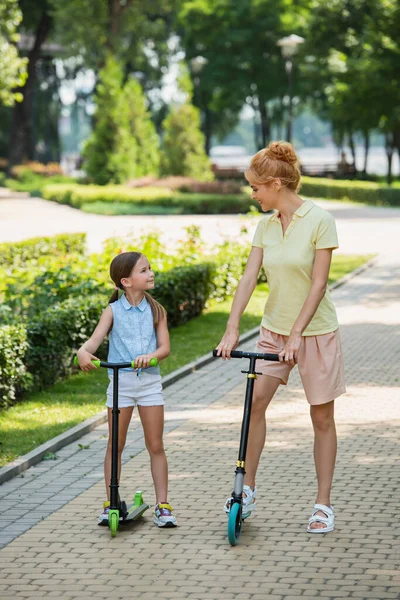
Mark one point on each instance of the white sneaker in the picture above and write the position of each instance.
(249, 502)
(163, 516)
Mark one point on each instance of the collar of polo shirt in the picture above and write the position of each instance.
(300, 212)
(127, 306)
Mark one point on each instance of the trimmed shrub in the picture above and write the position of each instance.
(357, 191)
(80, 195)
(14, 378)
(37, 168)
(15, 254)
(184, 291)
(55, 334)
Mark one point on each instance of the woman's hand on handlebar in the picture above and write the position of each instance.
(229, 342)
(85, 360)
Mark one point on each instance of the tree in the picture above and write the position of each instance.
(183, 142)
(244, 62)
(37, 22)
(111, 152)
(12, 66)
(142, 130)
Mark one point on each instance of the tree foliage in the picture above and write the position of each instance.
(183, 142)
(12, 66)
(142, 130)
(111, 151)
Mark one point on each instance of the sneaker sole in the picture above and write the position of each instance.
(168, 524)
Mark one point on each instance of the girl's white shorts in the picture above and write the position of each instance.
(133, 390)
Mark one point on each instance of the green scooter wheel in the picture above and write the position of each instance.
(234, 523)
(113, 521)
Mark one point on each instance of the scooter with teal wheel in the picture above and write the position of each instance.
(119, 513)
(235, 516)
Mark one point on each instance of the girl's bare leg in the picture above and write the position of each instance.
(152, 418)
(265, 387)
(325, 447)
(125, 416)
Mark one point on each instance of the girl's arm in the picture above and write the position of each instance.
(246, 286)
(163, 346)
(84, 353)
(319, 284)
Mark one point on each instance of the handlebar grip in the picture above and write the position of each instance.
(98, 363)
(257, 355)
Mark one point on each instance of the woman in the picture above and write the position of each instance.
(294, 245)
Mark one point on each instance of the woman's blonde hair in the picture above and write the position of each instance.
(121, 266)
(278, 161)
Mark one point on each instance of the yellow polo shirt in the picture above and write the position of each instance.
(288, 263)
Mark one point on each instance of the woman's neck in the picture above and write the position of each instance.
(134, 298)
(288, 204)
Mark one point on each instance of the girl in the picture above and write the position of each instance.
(138, 331)
(294, 245)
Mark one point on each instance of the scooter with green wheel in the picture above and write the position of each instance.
(119, 513)
(235, 516)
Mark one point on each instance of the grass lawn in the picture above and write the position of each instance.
(43, 415)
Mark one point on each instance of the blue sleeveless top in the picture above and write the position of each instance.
(132, 333)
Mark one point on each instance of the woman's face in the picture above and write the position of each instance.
(265, 194)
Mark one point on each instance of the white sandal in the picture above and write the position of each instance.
(329, 520)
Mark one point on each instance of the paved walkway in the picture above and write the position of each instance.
(67, 556)
(54, 549)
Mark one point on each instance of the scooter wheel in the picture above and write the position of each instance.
(113, 523)
(234, 523)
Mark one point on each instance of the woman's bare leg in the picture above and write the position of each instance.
(325, 447)
(265, 387)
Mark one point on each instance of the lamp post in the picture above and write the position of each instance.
(289, 46)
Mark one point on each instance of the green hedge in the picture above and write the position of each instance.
(184, 291)
(357, 191)
(14, 378)
(188, 203)
(15, 254)
(56, 333)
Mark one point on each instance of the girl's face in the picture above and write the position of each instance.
(141, 277)
(266, 194)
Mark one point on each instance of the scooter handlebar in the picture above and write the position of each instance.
(127, 365)
(240, 354)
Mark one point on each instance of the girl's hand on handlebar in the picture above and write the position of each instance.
(85, 360)
(229, 342)
(143, 361)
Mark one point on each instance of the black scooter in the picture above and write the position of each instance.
(235, 517)
(119, 513)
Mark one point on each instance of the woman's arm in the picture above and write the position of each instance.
(246, 286)
(163, 346)
(84, 353)
(319, 284)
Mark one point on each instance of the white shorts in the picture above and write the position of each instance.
(145, 390)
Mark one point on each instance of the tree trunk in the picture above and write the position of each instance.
(389, 147)
(366, 151)
(352, 149)
(207, 129)
(21, 145)
(265, 126)
(115, 12)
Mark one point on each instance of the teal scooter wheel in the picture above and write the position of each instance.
(234, 523)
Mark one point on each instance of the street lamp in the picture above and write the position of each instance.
(289, 46)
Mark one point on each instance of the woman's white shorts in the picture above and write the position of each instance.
(133, 390)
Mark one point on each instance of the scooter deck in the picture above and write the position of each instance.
(134, 512)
